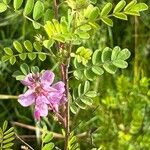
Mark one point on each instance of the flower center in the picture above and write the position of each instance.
(38, 89)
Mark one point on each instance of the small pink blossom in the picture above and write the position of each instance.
(42, 93)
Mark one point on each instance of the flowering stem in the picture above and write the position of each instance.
(64, 74)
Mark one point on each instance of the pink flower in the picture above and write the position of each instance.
(42, 93)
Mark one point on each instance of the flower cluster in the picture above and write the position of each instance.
(42, 93)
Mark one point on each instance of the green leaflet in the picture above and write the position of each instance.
(130, 5)
(57, 26)
(48, 15)
(12, 60)
(82, 55)
(57, 30)
(42, 57)
(48, 146)
(106, 54)
(73, 144)
(133, 8)
(6, 136)
(31, 56)
(35, 69)
(107, 21)
(96, 57)
(48, 137)
(82, 97)
(37, 46)
(119, 6)
(48, 43)
(110, 68)
(120, 64)
(36, 25)
(120, 16)
(23, 56)
(18, 46)
(97, 70)
(46, 140)
(3, 7)
(140, 7)
(124, 54)
(6, 1)
(5, 58)
(25, 69)
(83, 35)
(88, 11)
(85, 27)
(115, 52)
(28, 7)
(94, 13)
(8, 51)
(17, 4)
(38, 10)
(106, 10)
(86, 86)
(28, 45)
(114, 58)
(5, 124)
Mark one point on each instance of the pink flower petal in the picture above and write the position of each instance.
(60, 86)
(37, 115)
(47, 77)
(42, 99)
(27, 99)
(54, 97)
(47, 88)
(41, 110)
(63, 99)
(28, 81)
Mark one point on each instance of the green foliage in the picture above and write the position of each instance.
(82, 97)
(6, 137)
(82, 55)
(133, 8)
(73, 145)
(109, 59)
(17, 4)
(125, 111)
(3, 7)
(46, 140)
(28, 7)
(25, 70)
(87, 13)
(38, 10)
(29, 50)
(58, 31)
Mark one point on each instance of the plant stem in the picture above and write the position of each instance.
(8, 96)
(55, 8)
(29, 127)
(67, 111)
(136, 58)
(64, 74)
(24, 142)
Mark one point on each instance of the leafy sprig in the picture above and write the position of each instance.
(82, 97)
(29, 50)
(46, 140)
(6, 136)
(107, 59)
